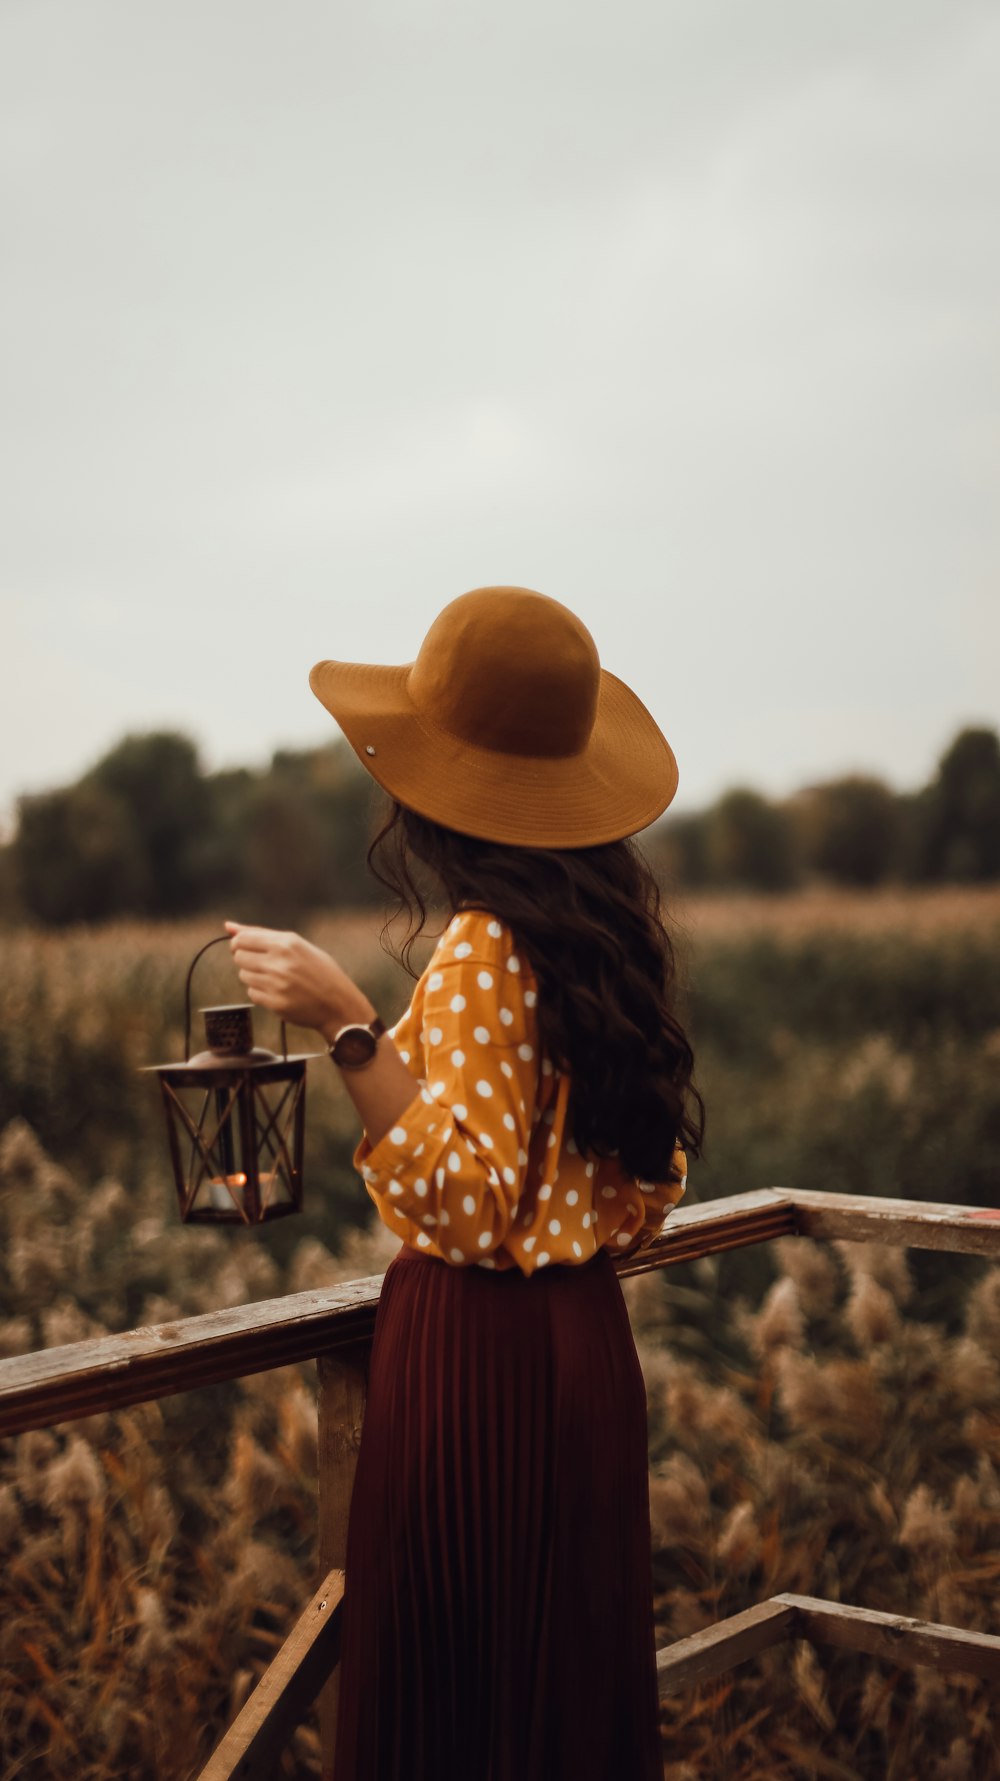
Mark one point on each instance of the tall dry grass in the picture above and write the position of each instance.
(822, 1419)
(151, 1561)
(918, 910)
(848, 1448)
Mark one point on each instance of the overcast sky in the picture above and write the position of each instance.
(313, 316)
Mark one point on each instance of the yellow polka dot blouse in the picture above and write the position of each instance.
(481, 1167)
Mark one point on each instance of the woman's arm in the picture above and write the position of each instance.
(301, 983)
(447, 1152)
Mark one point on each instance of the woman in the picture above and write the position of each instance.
(524, 1122)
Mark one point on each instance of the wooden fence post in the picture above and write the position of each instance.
(342, 1380)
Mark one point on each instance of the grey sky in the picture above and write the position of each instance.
(314, 316)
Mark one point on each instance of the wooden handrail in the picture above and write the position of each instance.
(252, 1746)
(908, 1224)
(722, 1646)
(61, 1384)
(109, 1372)
(895, 1638)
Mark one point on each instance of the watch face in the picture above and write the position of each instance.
(355, 1045)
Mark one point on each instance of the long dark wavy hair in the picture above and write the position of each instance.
(590, 921)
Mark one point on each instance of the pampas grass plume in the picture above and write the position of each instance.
(926, 1525)
(779, 1322)
(870, 1312)
(814, 1271)
(75, 1476)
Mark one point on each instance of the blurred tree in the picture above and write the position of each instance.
(157, 781)
(283, 847)
(146, 832)
(750, 842)
(677, 849)
(11, 900)
(349, 803)
(847, 829)
(307, 828)
(217, 852)
(119, 841)
(75, 856)
(956, 819)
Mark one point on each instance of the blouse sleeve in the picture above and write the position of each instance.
(646, 1221)
(448, 1174)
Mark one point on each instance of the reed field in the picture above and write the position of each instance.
(823, 1418)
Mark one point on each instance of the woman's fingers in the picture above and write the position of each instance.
(263, 989)
(257, 980)
(256, 939)
(257, 964)
(263, 998)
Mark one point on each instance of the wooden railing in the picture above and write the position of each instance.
(335, 1327)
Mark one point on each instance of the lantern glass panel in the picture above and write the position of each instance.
(237, 1141)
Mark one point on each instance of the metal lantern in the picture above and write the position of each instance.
(235, 1119)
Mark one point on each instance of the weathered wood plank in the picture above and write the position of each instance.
(60, 1384)
(252, 1746)
(342, 1385)
(720, 1647)
(912, 1224)
(715, 1225)
(769, 1212)
(897, 1638)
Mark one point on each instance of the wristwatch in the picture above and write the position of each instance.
(354, 1046)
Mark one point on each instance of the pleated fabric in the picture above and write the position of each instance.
(498, 1616)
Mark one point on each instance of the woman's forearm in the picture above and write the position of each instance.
(381, 1090)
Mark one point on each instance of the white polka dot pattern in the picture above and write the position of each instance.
(471, 1038)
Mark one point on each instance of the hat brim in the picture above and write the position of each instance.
(619, 784)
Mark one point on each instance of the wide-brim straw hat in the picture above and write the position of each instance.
(506, 727)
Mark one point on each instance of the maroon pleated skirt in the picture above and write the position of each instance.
(498, 1615)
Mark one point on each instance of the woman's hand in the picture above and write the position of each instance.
(296, 980)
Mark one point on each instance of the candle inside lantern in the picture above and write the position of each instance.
(218, 1189)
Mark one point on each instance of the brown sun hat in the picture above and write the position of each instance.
(506, 727)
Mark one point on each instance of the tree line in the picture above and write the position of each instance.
(853, 831)
(147, 832)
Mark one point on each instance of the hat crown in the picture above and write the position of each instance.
(508, 669)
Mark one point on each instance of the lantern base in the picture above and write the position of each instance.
(211, 1215)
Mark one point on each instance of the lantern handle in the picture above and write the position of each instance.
(187, 1002)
